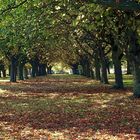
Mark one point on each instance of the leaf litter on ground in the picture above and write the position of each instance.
(67, 108)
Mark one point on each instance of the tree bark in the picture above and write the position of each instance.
(25, 72)
(42, 70)
(107, 65)
(75, 68)
(135, 54)
(117, 67)
(2, 69)
(49, 70)
(129, 71)
(128, 60)
(20, 71)
(13, 69)
(104, 78)
(86, 66)
(92, 74)
(116, 58)
(88, 74)
(35, 71)
(97, 66)
(4, 72)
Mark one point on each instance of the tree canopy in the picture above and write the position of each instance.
(89, 33)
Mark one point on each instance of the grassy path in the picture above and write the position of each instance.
(67, 108)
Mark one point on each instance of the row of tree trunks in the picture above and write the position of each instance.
(101, 66)
(38, 69)
(20, 69)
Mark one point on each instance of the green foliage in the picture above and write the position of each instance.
(66, 31)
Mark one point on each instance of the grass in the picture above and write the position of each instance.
(67, 107)
(127, 79)
(4, 78)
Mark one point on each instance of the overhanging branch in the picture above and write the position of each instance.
(124, 5)
(9, 7)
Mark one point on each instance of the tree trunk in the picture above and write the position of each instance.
(13, 69)
(35, 71)
(136, 79)
(97, 66)
(20, 71)
(128, 60)
(25, 72)
(80, 69)
(84, 70)
(9, 68)
(108, 69)
(107, 65)
(116, 58)
(135, 54)
(117, 67)
(42, 70)
(104, 78)
(92, 74)
(49, 70)
(83, 67)
(4, 72)
(129, 71)
(87, 68)
(75, 68)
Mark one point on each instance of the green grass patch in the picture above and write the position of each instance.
(127, 79)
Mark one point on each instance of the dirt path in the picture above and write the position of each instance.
(67, 108)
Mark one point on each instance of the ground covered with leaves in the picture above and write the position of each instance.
(67, 108)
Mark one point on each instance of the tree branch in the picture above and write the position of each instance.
(125, 5)
(12, 7)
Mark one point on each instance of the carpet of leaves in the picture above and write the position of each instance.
(67, 108)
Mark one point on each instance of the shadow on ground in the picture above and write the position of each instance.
(68, 109)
